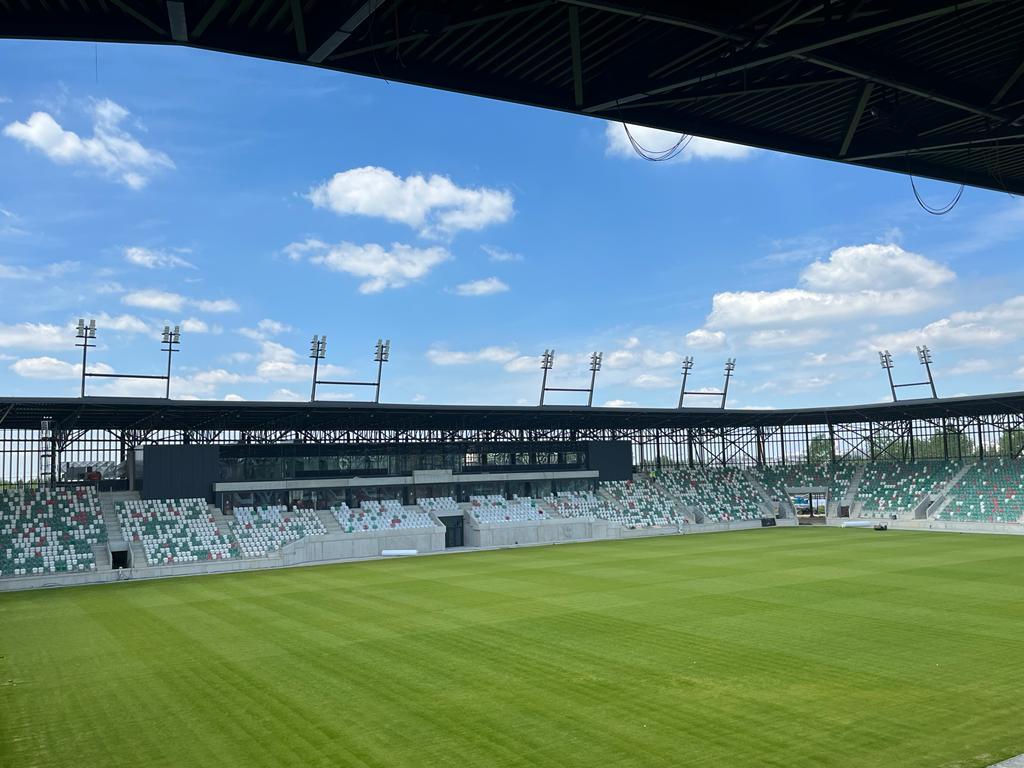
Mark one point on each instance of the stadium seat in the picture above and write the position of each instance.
(499, 510)
(639, 503)
(990, 491)
(262, 530)
(894, 487)
(174, 530)
(380, 516)
(49, 530)
(722, 494)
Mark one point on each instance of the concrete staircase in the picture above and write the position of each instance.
(938, 504)
(329, 521)
(768, 504)
(110, 518)
(851, 493)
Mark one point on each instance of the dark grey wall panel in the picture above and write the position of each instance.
(180, 471)
(613, 459)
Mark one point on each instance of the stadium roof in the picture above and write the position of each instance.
(929, 88)
(117, 414)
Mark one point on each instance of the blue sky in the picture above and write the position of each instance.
(258, 203)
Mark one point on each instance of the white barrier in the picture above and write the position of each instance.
(397, 552)
(860, 523)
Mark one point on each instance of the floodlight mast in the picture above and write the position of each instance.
(885, 360)
(171, 340)
(86, 332)
(547, 360)
(318, 352)
(687, 367)
(595, 366)
(924, 356)
(381, 355)
(730, 366)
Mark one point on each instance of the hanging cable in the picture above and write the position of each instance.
(940, 211)
(655, 155)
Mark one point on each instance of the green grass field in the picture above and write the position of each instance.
(798, 647)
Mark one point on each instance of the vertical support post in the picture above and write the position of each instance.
(547, 360)
(317, 351)
(687, 367)
(730, 366)
(595, 366)
(925, 356)
(85, 332)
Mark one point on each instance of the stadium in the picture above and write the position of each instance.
(217, 582)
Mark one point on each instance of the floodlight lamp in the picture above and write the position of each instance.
(924, 354)
(177, 334)
(595, 361)
(547, 360)
(687, 364)
(885, 359)
(730, 365)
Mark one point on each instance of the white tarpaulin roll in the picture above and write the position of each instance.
(397, 552)
(859, 524)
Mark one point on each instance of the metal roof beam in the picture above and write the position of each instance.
(177, 22)
(345, 31)
(299, 25)
(858, 111)
(978, 141)
(1006, 86)
(140, 17)
(577, 57)
(758, 57)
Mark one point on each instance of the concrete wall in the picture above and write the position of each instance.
(349, 547)
(541, 532)
(949, 526)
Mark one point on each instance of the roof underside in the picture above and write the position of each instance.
(929, 88)
(140, 414)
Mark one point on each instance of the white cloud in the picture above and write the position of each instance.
(52, 368)
(111, 149)
(779, 339)
(434, 206)
(382, 268)
(264, 328)
(991, 325)
(652, 381)
(500, 254)
(485, 287)
(44, 272)
(120, 323)
(522, 364)
(874, 267)
(216, 305)
(231, 397)
(854, 282)
(165, 301)
(502, 355)
(34, 336)
(280, 363)
(699, 148)
(620, 404)
(971, 365)
(195, 325)
(705, 339)
(654, 359)
(152, 259)
(619, 358)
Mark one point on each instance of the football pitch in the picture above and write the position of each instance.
(789, 647)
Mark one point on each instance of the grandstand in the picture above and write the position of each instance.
(344, 488)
